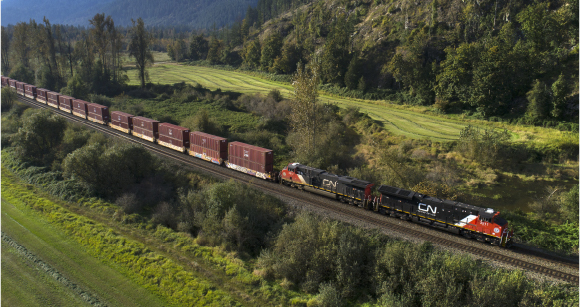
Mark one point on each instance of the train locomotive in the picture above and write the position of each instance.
(482, 224)
(343, 188)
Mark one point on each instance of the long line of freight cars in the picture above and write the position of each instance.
(246, 158)
(482, 224)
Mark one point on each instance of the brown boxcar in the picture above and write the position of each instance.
(145, 128)
(121, 121)
(20, 88)
(208, 147)
(5, 81)
(12, 83)
(65, 103)
(173, 136)
(80, 108)
(98, 113)
(52, 99)
(41, 95)
(251, 159)
(30, 91)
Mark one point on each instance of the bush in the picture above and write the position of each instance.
(101, 99)
(9, 97)
(485, 146)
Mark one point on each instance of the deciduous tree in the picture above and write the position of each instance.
(139, 48)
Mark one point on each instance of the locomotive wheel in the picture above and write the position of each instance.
(466, 234)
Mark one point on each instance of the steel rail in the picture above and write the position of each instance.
(318, 201)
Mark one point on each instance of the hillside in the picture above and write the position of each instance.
(198, 14)
(483, 58)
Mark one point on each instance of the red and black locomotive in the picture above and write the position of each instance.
(485, 225)
(344, 188)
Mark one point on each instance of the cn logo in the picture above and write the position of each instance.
(427, 208)
(329, 184)
(246, 154)
(170, 132)
(119, 117)
(203, 141)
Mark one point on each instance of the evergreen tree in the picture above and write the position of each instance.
(214, 52)
(286, 63)
(538, 101)
(335, 57)
(198, 47)
(252, 54)
(353, 74)
(559, 92)
(4, 53)
(270, 50)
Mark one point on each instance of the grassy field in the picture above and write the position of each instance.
(143, 266)
(157, 56)
(135, 275)
(410, 121)
(23, 284)
(70, 259)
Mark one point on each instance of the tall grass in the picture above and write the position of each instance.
(151, 269)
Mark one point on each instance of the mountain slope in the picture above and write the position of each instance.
(57, 11)
(196, 14)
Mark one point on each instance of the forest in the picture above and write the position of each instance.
(497, 60)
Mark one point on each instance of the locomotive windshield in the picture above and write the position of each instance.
(500, 221)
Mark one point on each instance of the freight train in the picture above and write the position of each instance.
(482, 224)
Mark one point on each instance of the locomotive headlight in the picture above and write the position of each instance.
(496, 230)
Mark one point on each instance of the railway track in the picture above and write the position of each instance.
(320, 202)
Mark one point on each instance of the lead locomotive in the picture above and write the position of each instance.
(485, 225)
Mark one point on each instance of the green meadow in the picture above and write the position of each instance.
(24, 284)
(415, 122)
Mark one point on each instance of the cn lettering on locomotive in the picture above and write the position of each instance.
(427, 209)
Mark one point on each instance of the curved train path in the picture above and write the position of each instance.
(486, 251)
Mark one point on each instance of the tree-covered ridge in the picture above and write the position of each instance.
(200, 14)
(488, 58)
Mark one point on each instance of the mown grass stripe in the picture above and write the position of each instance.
(402, 122)
(50, 271)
